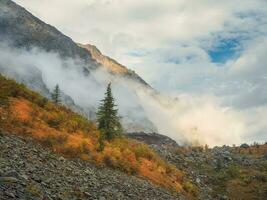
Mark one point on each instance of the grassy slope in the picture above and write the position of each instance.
(28, 114)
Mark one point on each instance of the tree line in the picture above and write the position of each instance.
(108, 119)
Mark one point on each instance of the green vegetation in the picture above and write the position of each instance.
(225, 174)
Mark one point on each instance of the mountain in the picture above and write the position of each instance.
(23, 30)
(48, 151)
(23, 35)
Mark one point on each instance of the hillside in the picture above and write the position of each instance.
(226, 172)
(41, 142)
(27, 114)
(238, 172)
(28, 171)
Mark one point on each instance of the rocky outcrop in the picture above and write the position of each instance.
(29, 172)
(112, 65)
(107, 62)
(154, 139)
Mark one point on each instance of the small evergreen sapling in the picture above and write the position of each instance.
(56, 97)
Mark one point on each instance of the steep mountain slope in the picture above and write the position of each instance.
(27, 114)
(32, 52)
(30, 172)
(49, 152)
(22, 29)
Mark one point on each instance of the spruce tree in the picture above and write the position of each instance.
(56, 95)
(107, 117)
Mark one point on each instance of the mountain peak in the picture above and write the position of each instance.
(112, 65)
(107, 62)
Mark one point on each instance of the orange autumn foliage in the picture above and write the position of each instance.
(67, 133)
(158, 174)
(22, 110)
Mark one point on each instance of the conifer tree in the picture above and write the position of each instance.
(107, 117)
(56, 97)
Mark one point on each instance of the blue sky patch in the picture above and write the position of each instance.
(226, 50)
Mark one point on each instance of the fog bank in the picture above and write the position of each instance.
(187, 119)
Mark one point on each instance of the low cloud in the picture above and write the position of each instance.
(204, 119)
(43, 70)
(188, 119)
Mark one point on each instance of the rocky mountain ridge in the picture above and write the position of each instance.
(23, 30)
(112, 65)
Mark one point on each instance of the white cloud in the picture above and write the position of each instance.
(252, 64)
(149, 23)
(196, 120)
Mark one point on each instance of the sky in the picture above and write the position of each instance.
(214, 53)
